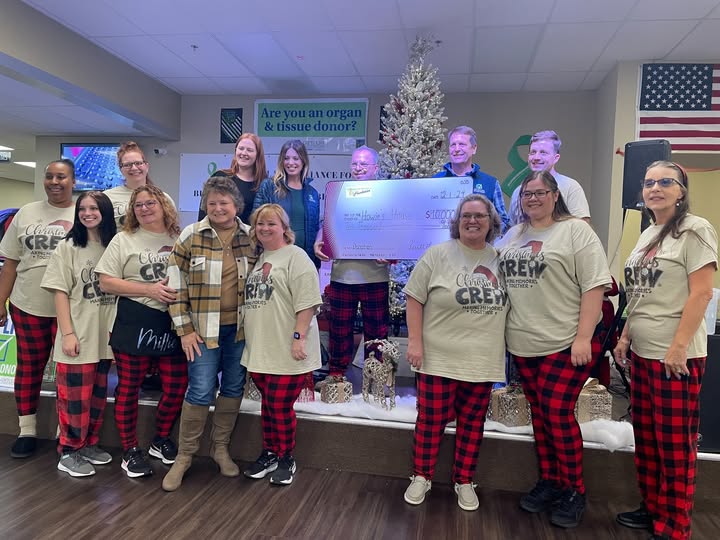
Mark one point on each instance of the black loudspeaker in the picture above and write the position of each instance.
(709, 410)
(638, 155)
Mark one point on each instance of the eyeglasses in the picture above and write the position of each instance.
(539, 194)
(477, 217)
(663, 182)
(147, 204)
(130, 164)
(361, 165)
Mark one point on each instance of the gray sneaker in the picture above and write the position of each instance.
(75, 465)
(95, 455)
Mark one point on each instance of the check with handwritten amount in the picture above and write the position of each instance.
(389, 219)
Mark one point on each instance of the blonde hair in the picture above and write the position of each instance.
(279, 211)
(170, 215)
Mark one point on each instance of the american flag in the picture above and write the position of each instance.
(681, 103)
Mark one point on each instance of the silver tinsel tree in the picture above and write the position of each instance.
(412, 131)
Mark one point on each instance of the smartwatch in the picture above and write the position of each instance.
(298, 335)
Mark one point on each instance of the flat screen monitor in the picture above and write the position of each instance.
(95, 165)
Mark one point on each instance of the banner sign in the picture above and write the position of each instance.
(325, 126)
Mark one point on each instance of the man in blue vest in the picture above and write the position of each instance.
(462, 145)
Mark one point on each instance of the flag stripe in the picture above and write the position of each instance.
(653, 134)
(678, 120)
(695, 147)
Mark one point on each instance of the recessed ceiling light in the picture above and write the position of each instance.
(6, 148)
(30, 164)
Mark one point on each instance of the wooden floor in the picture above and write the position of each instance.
(39, 502)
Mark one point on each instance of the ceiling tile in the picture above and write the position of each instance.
(381, 85)
(715, 12)
(192, 86)
(318, 54)
(204, 53)
(454, 83)
(508, 49)
(515, 13)
(148, 55)
(702, 45)
(241, 85)
(260, 53)
(497, 82)
(454, 52)
(671, 9)
(555, 54)
(643, 40)
(593, 80)
(89, 19)
(377, 53)
(572, 11)
(567, 81)
(159, 17)
(423, 14)
(375, 14)
(339, 85)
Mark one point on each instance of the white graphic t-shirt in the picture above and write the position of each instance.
(546, 272)
(141, 256)
(657, 286)
(72, 270)
(283, 283)
(33, 235)
(464, 309)
(120, 198)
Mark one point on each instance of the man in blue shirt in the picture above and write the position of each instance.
(462, 145)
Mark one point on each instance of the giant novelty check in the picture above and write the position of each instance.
(389, 219)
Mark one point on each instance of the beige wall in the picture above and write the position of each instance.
(15, 193)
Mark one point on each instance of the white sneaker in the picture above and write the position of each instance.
(415, 493)
(467, 498)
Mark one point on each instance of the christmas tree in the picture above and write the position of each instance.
(412, 130)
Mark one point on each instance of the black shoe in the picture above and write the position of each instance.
(135, 464)
(163, 448)
(23, 447)
(569, 510)
(285, 472)
(541, 497)
(637, 519)
(266, 463)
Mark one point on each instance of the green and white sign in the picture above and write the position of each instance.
(326, 126)
(8, 359)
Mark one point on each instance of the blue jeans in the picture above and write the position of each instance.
(203, 372)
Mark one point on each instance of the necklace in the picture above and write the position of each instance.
(226, 237)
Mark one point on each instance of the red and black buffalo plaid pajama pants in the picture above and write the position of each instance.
(665, 416)
(552, 386)
(35, 337)
(81, 398)
(440, 400)
(279, 393)
(131, 371)
(343, 299)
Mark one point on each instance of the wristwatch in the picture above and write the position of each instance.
(298, 335)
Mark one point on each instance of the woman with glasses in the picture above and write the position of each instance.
(35, 231)
(555, 271)
(247, 170)
(452, 293)
(290, 188)
(669, 281)
(134, 168)
(133, 268)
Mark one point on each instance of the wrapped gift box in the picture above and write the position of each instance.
(594, 403)
(340, 392)
(509, 407)
(251, 391)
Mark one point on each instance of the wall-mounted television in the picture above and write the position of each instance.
(95, 165)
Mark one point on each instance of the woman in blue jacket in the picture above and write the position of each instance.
(290, 188)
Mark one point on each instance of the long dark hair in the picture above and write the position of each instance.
(682, 207)
(107, 228)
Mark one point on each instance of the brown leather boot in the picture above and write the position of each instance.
(192, 425)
